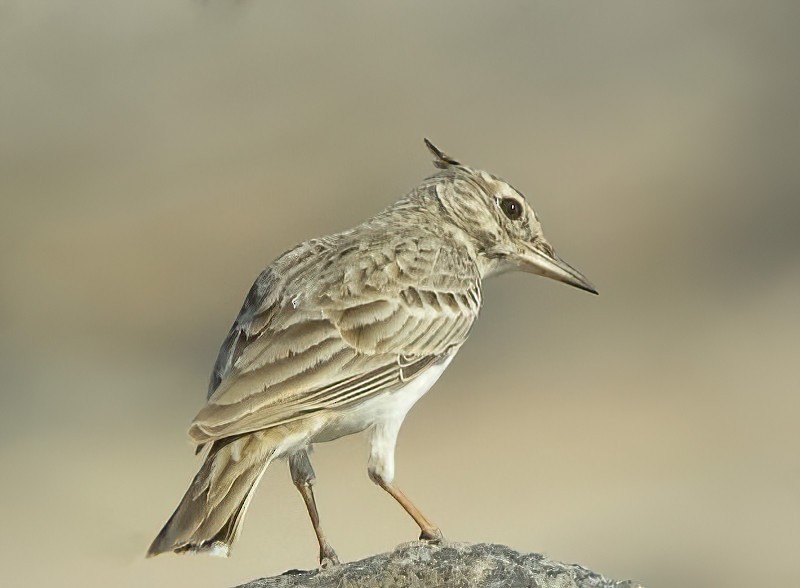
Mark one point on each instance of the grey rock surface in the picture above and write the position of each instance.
(457, 565)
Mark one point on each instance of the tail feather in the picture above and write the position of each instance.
(209, 517)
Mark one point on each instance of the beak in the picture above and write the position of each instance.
(538, 261)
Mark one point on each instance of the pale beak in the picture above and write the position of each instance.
(538, 261)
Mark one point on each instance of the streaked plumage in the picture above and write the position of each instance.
(345, 333)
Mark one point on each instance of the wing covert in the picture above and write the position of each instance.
(319, 343)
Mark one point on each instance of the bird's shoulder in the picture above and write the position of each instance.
(370, 280)
(382, 264)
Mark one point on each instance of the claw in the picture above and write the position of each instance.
(432, 535)
(328, 559)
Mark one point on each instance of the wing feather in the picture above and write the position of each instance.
(310, 344)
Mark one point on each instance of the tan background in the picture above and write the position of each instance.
(154, 156)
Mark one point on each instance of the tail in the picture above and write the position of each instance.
(209, 517)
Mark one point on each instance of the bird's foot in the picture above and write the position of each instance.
(432, 535)
(328, 558)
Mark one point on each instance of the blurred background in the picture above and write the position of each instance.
(155, 156)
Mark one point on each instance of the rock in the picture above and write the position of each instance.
(452, 565)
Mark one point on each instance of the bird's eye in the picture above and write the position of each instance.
(511, 208)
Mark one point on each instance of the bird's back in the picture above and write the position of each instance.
(338, 318)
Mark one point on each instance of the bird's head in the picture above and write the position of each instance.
(504, 228)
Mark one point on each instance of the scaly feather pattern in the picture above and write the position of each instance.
(337, 320)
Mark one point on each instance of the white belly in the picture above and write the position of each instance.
(389, 406)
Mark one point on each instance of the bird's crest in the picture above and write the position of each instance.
(441, 159)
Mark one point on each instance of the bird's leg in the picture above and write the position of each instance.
(381, 471)
(429, 531)
(303, 477)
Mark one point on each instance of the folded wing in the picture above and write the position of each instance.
(301, 346)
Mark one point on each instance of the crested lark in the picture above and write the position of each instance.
(344, 334)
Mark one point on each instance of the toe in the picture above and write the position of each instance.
(432, 535)
(328, 559)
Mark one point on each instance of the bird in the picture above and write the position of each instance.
(344, 334)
